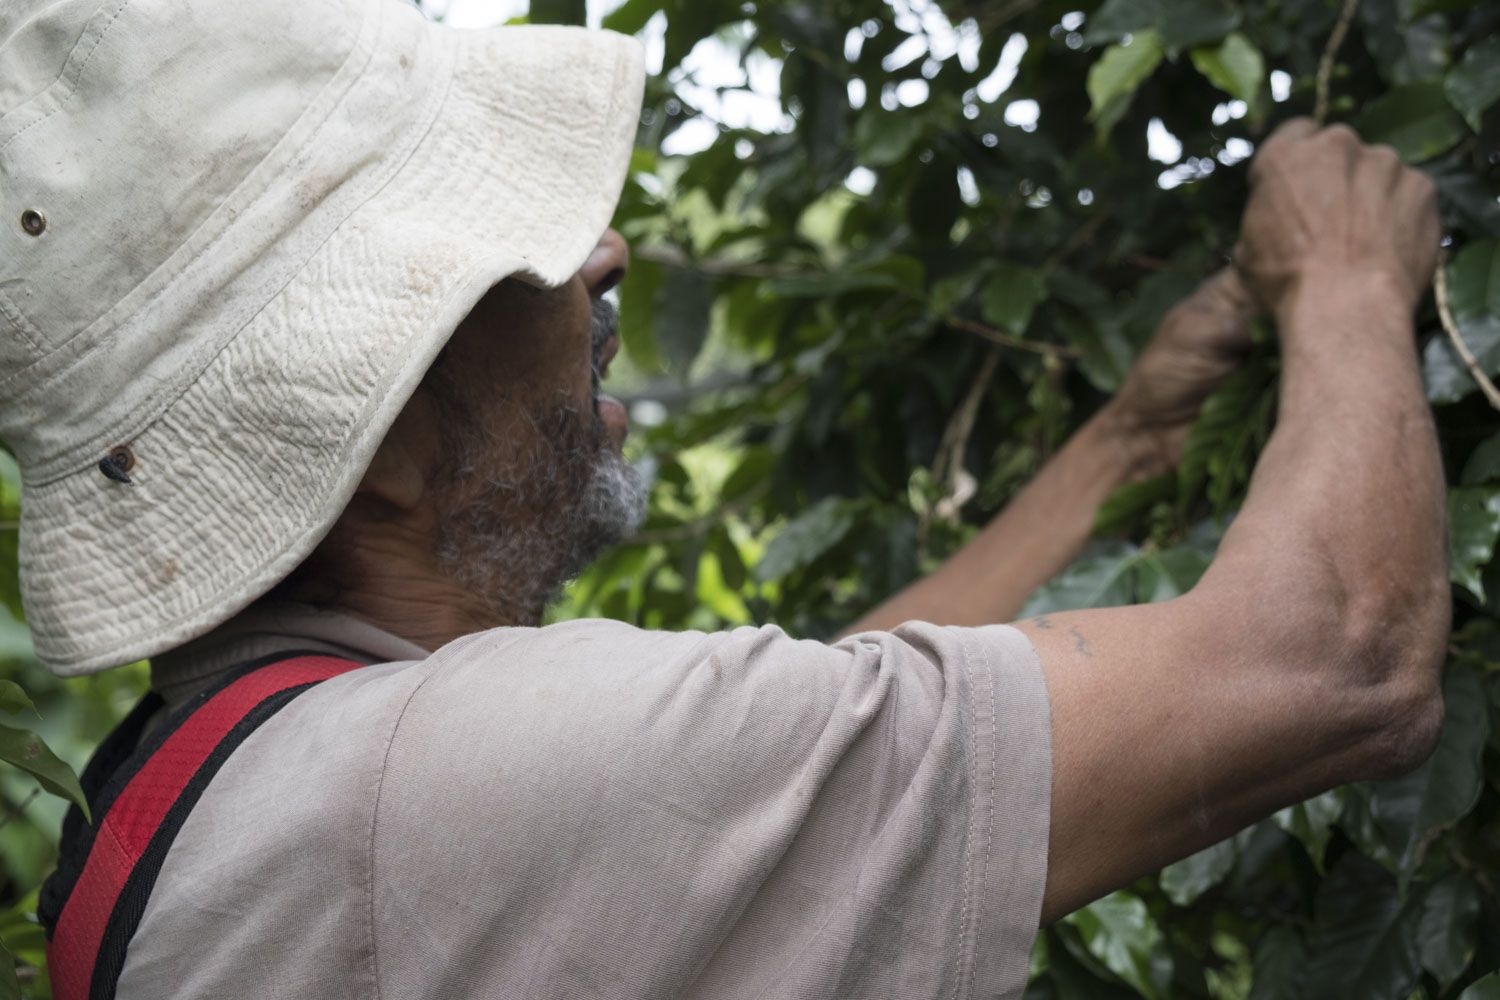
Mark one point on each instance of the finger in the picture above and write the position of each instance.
(1230, 293)
(1383, 165)
(1242, 264)
(1293, 128)
(1289, 132)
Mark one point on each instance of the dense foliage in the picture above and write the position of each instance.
(863, 321)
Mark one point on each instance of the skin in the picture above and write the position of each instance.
(519, 349)
(1308, 656)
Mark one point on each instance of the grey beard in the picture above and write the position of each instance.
(521, 532)
(520, 536)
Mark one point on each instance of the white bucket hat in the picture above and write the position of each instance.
(233, 237)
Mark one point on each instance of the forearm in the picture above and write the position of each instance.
(1034, 537)
(1340, 548)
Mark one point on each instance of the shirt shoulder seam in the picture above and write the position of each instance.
(374, 823)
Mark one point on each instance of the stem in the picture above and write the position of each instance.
(1325, 64)
(1006, 340)
(1440, 292)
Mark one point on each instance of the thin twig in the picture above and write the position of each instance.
(1003, 339)
(950, 461)
(959, 486)
(1079, 237)
(673, 257)
(15, 811)
(702, 525)
(1330, 52)
(1006, 13)
(1440, 292)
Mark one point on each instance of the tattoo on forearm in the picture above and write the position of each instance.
(1079, 642)
(1042, 621)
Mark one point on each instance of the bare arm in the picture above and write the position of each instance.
(1138, 435)
(1309, 654)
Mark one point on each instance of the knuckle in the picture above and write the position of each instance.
(1421, 184)
(1341, 135)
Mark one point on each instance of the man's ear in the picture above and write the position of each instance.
(395, 475)
(404, 463)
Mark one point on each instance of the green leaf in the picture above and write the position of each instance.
(1280, 965)
(1218, 448)
(1172, 572)
(1487, 988)
(638, 295)
(682, 315)
(731, 563)
(886, 137)
(1105, 352)
(1404, 48)
(558, 12)
(835, 283)
(13, 699)
(1474, 298)
(1422, 8)
(26, 751)
(933, 203)
(1186, 880)
(1181, 24)
(1118, 931)
(1188, 23)
(1311, 822)
(1410, 809)
(1131, 500)
(631, 16)
(1235, 67)
(1101, 577)
(1416, 119)
(1466, 197)
(1114, 78)
(10, 986)
(812, 533)
(15, 637)
(1474, 84)
(1473, 529)
(1011, 296)
(1483, 465)
(1448, 931)
(1363, 941)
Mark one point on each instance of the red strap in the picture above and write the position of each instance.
(142, 805)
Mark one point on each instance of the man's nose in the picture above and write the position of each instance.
(607, 265)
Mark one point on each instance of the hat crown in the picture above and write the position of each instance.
(234, 236)
(125, 126)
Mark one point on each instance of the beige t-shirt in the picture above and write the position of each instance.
(591, 810)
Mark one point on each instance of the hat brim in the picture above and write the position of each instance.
(246, 471)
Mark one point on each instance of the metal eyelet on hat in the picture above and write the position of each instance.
(117, 464)
(33, 222)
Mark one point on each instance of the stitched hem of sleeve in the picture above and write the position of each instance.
(1011, 750)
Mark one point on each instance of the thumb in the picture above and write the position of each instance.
(1229, 293)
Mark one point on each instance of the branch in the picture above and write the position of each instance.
(671, 393)
(14, 811)
(1078, 238)
(702, 525)
(1330, 52)
(673, 257)
(1006, 340)
(950, 460)
(1440, 292)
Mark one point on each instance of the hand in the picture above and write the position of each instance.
(1198, 344)
(1325, 207)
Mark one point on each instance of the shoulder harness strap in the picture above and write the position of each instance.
(95, 901)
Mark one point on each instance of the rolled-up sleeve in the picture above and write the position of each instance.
(592, 810)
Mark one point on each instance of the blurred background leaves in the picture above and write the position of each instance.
(888, 255)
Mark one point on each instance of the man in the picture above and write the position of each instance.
(299, 297)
